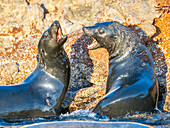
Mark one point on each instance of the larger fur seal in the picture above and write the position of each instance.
(41, 94)
(131, 85)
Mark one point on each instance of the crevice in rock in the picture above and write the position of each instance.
(45, 10)
(158, 30)
(27, 2)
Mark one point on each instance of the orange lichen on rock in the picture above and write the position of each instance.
(15, 30)
(100, 59)
(87, 98)
(71, 40)
(163, 2)
(19, 39)
(163, 23)
(18, 54)
(87, 66)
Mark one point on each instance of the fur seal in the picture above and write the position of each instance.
(41, 94)
(132, 85)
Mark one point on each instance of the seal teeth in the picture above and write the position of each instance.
(93, 44)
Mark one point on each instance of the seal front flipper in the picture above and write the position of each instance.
(131, 84)
(41, 94)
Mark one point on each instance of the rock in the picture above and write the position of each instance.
(163, 40)
(81, 63)
(88, 73)
(137, 12)
(163, 2)
(49, 6)
(81, 66)
(13, 11)
(22, 24)
(34, 12)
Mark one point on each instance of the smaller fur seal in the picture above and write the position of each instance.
(41, 94)
(132, 85)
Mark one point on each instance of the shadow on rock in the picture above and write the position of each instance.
(81, 69)
(158, 58)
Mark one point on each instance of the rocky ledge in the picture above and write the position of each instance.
(22, 24)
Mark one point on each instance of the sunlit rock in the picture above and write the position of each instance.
(22, 23)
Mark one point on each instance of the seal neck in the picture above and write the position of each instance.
(120, 50)
(123, 46)
(53, 62)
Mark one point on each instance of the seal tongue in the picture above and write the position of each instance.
(93, 45)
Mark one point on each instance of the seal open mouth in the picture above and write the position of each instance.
(94, 45)
(60, 38)
(89, 31)
(59, 34)
(56, 32)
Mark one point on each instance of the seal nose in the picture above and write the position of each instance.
(85, 30)
(56, 23)
(88, 31)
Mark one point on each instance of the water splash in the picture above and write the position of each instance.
(156, 119)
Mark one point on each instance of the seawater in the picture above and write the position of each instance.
(159, 119)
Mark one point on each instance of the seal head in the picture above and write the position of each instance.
(113, 36)
(51, 43)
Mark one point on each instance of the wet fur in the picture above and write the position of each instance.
(131, 85)
(41, 94)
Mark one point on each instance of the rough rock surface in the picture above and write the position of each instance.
(88, 74)
(22, 23)
(163, 23)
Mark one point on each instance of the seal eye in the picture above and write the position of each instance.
(46, 34)
(101, 31)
